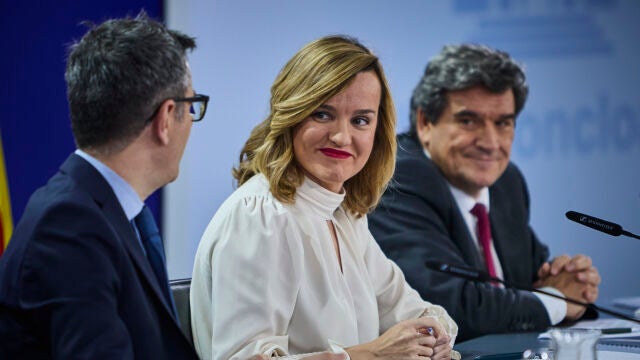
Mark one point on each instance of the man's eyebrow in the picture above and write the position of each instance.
(507, 117)
(467, 113)
(473, 114)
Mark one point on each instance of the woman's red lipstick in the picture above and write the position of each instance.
(335, 153)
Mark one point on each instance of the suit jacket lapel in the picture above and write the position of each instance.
(89, 178)
(456, 223)
(501, 225)
(468, 246)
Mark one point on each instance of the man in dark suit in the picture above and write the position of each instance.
(456, 198)
(84, 275)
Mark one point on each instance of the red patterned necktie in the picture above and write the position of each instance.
(484, 236)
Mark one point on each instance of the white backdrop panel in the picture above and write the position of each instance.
(577, 141)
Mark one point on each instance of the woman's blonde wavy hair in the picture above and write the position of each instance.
(319, 71)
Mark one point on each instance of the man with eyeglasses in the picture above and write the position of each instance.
(84, 275)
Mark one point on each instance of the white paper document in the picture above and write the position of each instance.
(615, 355)
(611, 328)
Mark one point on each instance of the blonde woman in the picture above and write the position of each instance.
(287, 265)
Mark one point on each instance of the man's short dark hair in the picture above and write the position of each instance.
(460, 67)
(118, 74)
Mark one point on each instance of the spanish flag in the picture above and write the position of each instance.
(6, 223)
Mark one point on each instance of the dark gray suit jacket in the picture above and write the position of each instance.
(75, 282)
(418, 220)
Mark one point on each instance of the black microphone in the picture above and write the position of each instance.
(459, 271)
(593, 222)
(482, 276)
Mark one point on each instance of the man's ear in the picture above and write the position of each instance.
(423, 127)
(161, 123)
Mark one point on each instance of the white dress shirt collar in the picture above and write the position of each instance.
(126, 195)
(466, 202)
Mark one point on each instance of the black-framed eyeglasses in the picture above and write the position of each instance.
(198, 105)
(197, 109)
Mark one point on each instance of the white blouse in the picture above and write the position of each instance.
(266, 278)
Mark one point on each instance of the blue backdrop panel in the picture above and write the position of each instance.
(34, 116)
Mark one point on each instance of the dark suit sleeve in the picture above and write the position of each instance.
(511, 196)
(418, 220)
(71, 284)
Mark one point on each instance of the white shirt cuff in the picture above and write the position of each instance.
(556, 308)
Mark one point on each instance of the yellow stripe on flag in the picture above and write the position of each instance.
(6, 222)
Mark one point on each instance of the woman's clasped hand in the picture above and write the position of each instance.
(409, 339)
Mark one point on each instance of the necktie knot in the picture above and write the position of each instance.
(484, 228)
(146, 224)
(479, 211)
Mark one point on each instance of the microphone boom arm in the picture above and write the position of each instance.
(482, 276)
(625, 232)
(569, 300)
